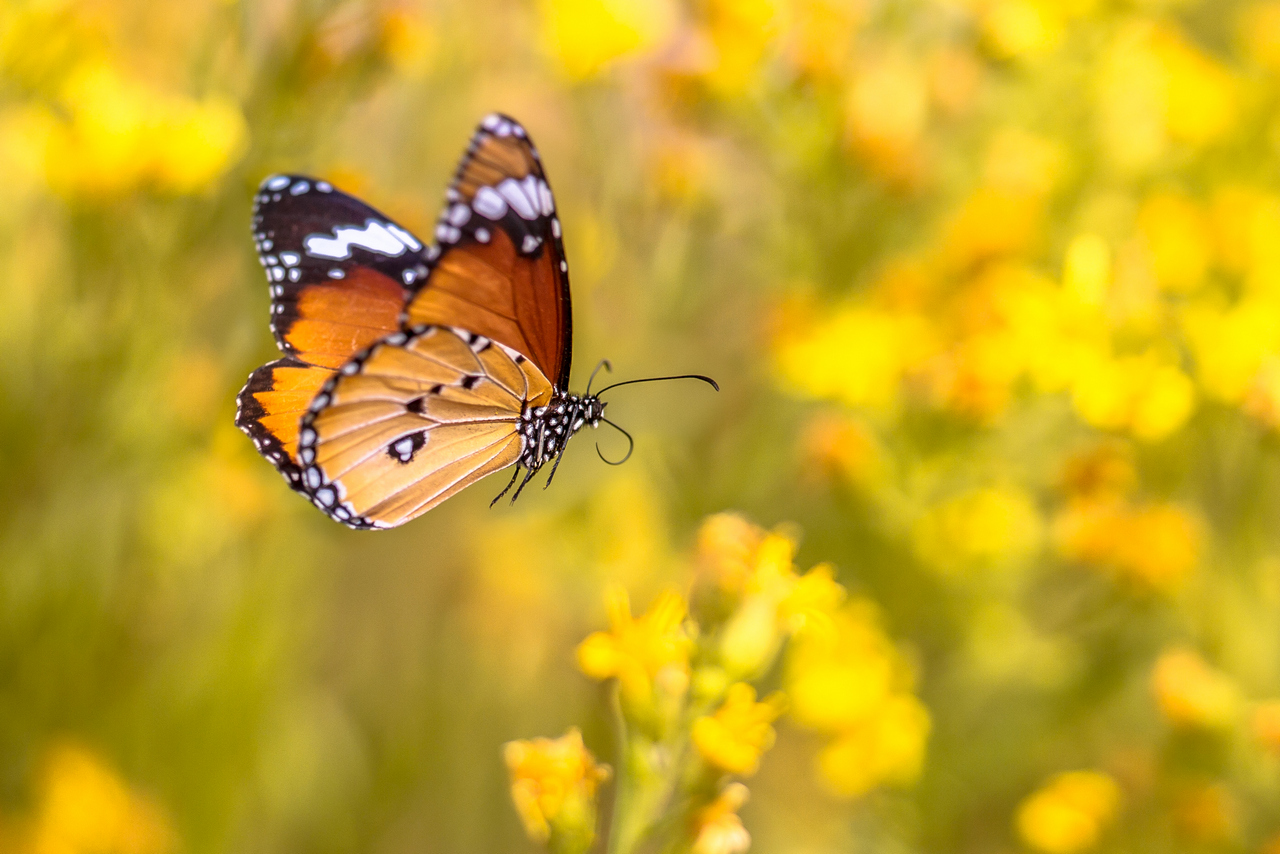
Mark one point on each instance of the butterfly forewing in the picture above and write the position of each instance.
(339, 271)
(413, 420)
(498, 266)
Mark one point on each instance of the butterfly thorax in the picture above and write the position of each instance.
(545, 430)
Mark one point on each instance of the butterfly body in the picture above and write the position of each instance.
(412, 371)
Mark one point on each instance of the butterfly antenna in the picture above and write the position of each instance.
(604, 363)
(515, 474)
(706, 380)
(631, 444)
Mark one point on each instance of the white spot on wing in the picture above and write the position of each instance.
(459, 214)
(515, 195)
(290, 259)
(405, 237)
(544, 198)
(489, 204)
(374, 237)
(278, 183)
(482, 234)
(299, 188)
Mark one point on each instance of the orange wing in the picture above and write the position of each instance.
(412, 421)
(498, 267)
(338, 273)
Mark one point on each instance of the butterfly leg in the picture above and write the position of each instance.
(528, 477)
(551, 476)
(515, 474)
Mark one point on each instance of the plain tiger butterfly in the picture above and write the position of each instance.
(412, 371)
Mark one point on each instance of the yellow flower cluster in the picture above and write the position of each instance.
(82, 806)
(1069, 813)
(553, 784)
(1191, 693)
(648, 655)
(89, 129)
(1151, 545)
(734, 738)
(851, 685)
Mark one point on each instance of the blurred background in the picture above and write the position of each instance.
(992, 289)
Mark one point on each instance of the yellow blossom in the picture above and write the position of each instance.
(1144, 394)
(1155, 88)
(1205, 812)
(1266, 725)
(1178, 240)
(643, 653)
(587, 36)
(83, 806)
(887, 111)
(1156, 545)
(121, 134)
(1069, 813)
(1259, 33)
(1086, 269)
(717, 827)
(986, 526)
(819, 361)
(886, 748)
(553, 785)
(1017, 28)
(741, 33)
(1101, 471)
(842, 447)
(1191, 693)
(991, 223)
(1231, 346)
(835, 680)
(820, 34)
(727, 545)
(734, 738)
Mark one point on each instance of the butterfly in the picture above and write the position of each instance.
(412, 371)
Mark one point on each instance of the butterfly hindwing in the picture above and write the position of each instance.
(339, 271)
(411, 421)
(270, 407)
(498, 266)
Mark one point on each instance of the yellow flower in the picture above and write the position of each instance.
(1157, 545)
(645, 653)
(820, 34)
(1155, 88)
(1144, 394)
(1176, 236)
(740, 731)
(717, 827)
(1086, 270)
(842, 447)
(1206, 812)
(553, 785)
(84, 806)
(1017, 28)
(587, 36)
(858, 355)
(1190, 693)
(835, 680)
(888, 747)
(1266, 724)
(986, 526)
(887, 109)
(1069, 813)
(741, 33)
